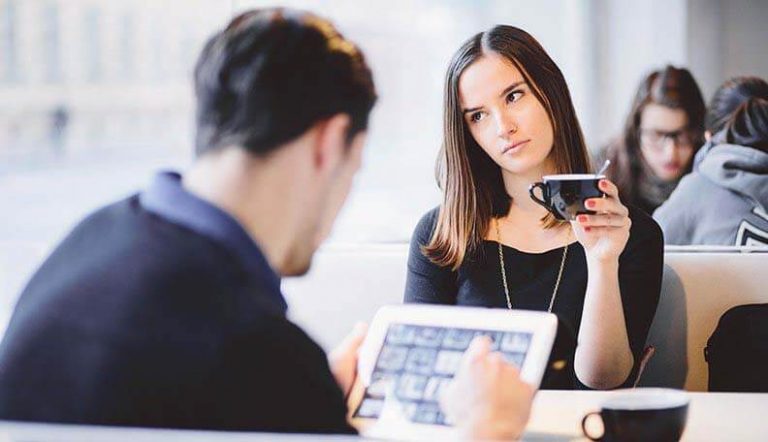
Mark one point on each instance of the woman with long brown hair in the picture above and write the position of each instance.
(508, 121)
(663, 131)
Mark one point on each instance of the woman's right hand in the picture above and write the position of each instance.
(487, 399)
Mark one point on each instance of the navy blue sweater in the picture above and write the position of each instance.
(134, 320)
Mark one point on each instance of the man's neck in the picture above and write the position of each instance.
(244, 186)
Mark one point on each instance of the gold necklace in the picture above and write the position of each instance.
(504, 273)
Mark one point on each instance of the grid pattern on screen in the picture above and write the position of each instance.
(417, 362)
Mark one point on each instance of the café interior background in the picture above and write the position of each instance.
(96, 95)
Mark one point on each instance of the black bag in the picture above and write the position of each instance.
(737, 351)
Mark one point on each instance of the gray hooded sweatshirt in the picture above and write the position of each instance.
(722, 202)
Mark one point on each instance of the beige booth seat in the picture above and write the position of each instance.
(348, 283)
(698, 287)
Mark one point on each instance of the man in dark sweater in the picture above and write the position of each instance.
(164, 309)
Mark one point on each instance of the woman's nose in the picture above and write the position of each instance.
(505, 125)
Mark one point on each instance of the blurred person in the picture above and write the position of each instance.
(164, 309)
(724, 201)
(58, 128)
(662, 133)
(508, 121)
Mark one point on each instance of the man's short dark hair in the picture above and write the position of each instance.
(273, 73)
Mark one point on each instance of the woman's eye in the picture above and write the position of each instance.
(514, 96)
(477, 116)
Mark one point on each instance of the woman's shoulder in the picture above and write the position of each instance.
(426, 225)
(419, 263)
(644, 228)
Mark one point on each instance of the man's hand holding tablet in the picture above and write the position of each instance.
(343, 359)
(430, 372)
(487, 400)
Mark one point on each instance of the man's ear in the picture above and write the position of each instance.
(707, 135)
(331, 142)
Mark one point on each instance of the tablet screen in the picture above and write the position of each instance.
(416, 362)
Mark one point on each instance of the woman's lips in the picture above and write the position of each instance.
(513, 146)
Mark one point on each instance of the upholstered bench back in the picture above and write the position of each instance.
(349, 283)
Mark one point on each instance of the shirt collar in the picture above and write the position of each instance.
(167, 198)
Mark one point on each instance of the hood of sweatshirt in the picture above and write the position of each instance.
(741, 169)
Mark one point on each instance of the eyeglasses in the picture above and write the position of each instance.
(657, 139)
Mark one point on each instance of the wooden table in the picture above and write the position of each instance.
(557, 415)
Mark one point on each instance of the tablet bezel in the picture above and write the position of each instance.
(542, 326)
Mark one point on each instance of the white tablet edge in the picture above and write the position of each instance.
(542, 325)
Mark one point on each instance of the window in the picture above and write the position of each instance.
(95, 96)
(51, 42)
(8, 42)
(408, 44)
(92, 43)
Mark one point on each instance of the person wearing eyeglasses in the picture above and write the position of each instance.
(663, 131)
(724, 201)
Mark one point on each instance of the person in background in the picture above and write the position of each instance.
(58, 128)
(662, 133)
(726, 99)
(508, 120)
(164, 309)
(724, 201)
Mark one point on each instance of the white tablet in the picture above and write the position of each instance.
(412, 351)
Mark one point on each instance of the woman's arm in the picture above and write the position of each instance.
(604, 356)
(426, 282)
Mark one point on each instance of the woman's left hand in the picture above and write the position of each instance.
(604, 234)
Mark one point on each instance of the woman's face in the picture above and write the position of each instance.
(504, 116)
(666, 143)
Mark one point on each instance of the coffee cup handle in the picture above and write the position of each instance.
(584, 426)
(544, 192)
